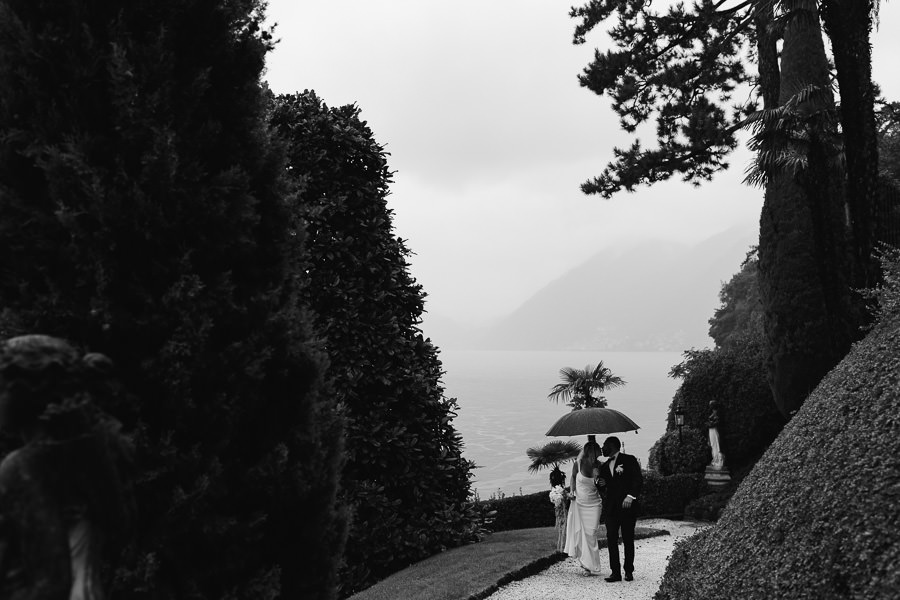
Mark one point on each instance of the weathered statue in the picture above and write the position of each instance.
(62, 500)
(718, 459)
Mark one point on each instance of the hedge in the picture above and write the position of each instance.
(664, 495)
(520, 512)
(818, 515)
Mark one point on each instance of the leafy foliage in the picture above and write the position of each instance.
(519, 511)
(680, 452)
(143, 215)
(667, 495)
(709, 507)
(785, 136)
(582, 388)
(888, 121)
(740, 313)
(684, 68)
(552, 454)
(886, 296)
(798, 526)
(406, 480)
(887, 212)
(734, 377)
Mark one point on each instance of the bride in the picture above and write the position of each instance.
(584, 512)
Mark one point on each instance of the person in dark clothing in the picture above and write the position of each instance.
(621, 478)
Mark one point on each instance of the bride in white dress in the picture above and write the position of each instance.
(584, 512)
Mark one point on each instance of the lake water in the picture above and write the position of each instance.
(504, 410)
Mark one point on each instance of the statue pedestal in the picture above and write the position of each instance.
(717, 477)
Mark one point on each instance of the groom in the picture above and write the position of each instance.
(622, 479)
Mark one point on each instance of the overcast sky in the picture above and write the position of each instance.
(490, 136)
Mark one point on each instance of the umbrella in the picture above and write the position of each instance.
(592, 420)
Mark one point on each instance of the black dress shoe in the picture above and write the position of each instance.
(629, 577)
(613, 578)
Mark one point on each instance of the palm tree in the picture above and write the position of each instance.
(552, 454)
(582, 388)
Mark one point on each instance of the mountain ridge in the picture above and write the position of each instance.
(651, 295)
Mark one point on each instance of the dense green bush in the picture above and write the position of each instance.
(681, 452)
(817, 517)
(143, 214)
(519, 512)
(710, 506)
(740, 312)
(735, 377)
(666, 495)
(406, 480)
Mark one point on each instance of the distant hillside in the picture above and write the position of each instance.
(652, 295)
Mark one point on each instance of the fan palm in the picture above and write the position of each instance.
(552, 454)
(583, 388)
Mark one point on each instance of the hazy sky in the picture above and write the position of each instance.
(490, 136)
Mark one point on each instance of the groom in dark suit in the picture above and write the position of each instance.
(621, 477)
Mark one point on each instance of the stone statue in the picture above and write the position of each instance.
(63, 502)
(718, 459)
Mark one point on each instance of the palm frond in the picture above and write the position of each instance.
(560, 391)
(782, 136)
(578, 386)
(551, 454)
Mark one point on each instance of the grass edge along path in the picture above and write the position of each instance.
(475, 571)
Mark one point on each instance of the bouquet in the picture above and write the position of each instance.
(558, 494)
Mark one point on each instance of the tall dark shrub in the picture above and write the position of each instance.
(735, 377)
(143, 214)
(405, 480)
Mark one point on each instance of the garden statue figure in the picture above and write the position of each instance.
(63, 505)
(718, 459)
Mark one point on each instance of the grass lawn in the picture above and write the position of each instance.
(475, 571)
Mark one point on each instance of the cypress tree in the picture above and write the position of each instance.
(144, 213)
(405, 481)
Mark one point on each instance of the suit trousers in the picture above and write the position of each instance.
(622, 520)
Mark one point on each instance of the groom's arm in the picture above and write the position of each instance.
(636, 481)
(634, 484)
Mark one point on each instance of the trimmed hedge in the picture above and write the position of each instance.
(520, 512)
(669, 494)
(818, 515)
(663, 495)
(709, 507)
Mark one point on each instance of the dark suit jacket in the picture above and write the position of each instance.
(626, 479)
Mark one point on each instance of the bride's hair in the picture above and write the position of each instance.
(588, 459)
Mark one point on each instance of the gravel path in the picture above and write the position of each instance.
(564, 581)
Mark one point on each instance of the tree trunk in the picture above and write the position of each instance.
(804, 284)
(848, 24)
(767, 52)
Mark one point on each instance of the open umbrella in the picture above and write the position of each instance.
(587, 421)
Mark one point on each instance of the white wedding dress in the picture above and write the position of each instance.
(582, 524)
